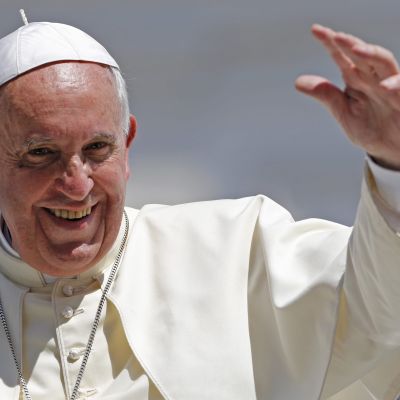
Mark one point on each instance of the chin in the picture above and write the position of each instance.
(67, 263)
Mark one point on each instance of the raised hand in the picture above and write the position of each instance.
(368, 108)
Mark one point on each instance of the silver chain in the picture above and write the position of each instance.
(95, 325)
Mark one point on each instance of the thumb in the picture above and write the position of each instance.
(324, 91)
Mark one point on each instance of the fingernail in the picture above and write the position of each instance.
(361, 48)
(390, 83)
(341, 35)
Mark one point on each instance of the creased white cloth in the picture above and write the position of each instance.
(226, 299)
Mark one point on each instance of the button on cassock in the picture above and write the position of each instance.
(68, 312)
(74, 354)
(68, 290)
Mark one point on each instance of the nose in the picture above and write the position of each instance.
(75, 181)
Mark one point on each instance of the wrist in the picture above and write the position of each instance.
(393, 165)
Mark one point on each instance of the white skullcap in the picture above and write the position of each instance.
(39, 43)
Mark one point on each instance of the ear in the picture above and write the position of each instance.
(132, 131)
(129, 140)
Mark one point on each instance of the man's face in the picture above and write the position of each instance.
(63, 155)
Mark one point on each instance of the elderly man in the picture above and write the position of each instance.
(216, 300)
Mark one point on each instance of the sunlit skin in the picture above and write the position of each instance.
(62, 148)
(368, 108)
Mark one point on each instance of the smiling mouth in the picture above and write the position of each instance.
(69, 214)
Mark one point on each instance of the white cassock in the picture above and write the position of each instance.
(222, 300)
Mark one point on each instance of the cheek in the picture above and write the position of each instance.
(30, 186)
(16, 207)
(19, 190)
(116, 185)
(18, 213)
(110, 184)
(111, 175)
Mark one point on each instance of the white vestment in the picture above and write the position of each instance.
(224, 300)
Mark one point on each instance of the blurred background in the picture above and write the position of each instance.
(211, 84)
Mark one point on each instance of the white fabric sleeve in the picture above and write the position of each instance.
(386, 192)
(368, 328)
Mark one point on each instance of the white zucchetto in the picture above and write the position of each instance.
(40, 43)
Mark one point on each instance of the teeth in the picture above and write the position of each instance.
(68, 214)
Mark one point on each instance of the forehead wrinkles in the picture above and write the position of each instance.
(41, 86)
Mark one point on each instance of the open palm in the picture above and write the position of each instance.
(368, 108)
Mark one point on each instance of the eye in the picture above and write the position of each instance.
(40, 152)
(38, 156)
(96, 146)
(98, 149)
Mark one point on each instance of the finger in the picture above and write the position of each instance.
(392, 91)
(381, 59)
(346, 43)
(392, 83)
(326, 37)
(324, 91)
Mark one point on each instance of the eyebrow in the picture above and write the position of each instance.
(105, 136)
(37, 139)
